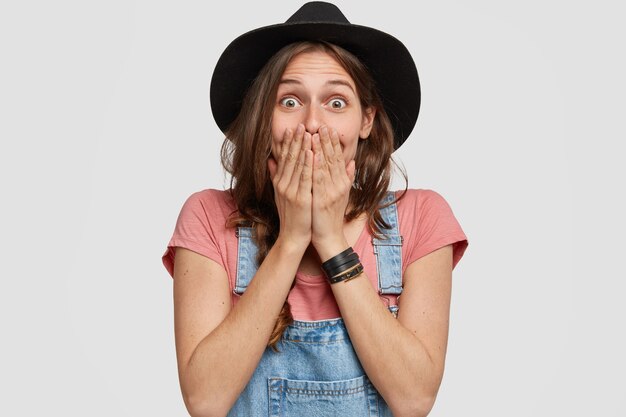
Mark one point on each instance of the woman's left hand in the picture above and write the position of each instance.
(332, 182)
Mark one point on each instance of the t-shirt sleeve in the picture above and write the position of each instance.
(195, 230)
(434, 226)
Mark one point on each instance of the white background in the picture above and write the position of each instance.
(106, 130)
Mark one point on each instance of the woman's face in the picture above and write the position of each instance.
(316, 90)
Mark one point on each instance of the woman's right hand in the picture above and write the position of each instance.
(291, 177)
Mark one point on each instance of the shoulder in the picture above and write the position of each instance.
(201, 226)
(425, 214)
(418, 199)
(211, 196)
(427, 222)
(210, 201)
(209, 208)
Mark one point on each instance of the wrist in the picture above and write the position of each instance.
(291, 247)
(329, 248)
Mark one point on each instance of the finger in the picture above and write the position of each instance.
(292, 154)
(320, 170)
(339, 164)
(327, 146)
(284, 145)
(315, 143)
(337, 151)
(306, 177)
(335, 167)
(319, 161)
(297, 171)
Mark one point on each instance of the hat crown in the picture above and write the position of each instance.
(318, 12)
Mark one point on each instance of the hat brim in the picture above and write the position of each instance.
(387, 59)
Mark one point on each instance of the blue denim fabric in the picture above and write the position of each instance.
(389, 251)
(316, 371)
(246, 259)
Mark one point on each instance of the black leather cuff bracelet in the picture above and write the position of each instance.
(341, 262)
(346, 264)
(348, 275)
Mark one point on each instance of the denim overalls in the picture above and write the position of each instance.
(316, 371)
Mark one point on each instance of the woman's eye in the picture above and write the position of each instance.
(338, 103)
(289, 102)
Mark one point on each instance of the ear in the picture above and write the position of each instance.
(368, 121)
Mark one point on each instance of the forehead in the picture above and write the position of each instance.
(316, 64)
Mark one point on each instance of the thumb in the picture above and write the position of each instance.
(350, 170)
(272, 166)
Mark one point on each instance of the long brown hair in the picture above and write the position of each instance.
(247, 147)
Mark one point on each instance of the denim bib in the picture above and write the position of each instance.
(316, 371)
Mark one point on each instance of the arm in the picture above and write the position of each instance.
(217, 348)
(409, 378)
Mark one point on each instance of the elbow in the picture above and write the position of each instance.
(202, 401)
(419, 401)
(198, 408)
(412, 404)
(413, 407)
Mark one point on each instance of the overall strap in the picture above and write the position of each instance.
(388, 250)
(246, 258)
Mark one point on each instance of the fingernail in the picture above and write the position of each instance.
(300, 129)
(324, 130)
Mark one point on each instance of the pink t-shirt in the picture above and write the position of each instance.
(426, 222)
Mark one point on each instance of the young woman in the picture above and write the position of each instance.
(308, 288)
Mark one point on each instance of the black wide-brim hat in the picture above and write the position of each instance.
(387, 59)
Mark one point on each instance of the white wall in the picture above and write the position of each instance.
(106, 129)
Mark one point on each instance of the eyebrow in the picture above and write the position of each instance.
(329, 82)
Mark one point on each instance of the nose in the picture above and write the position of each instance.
(312, 119)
